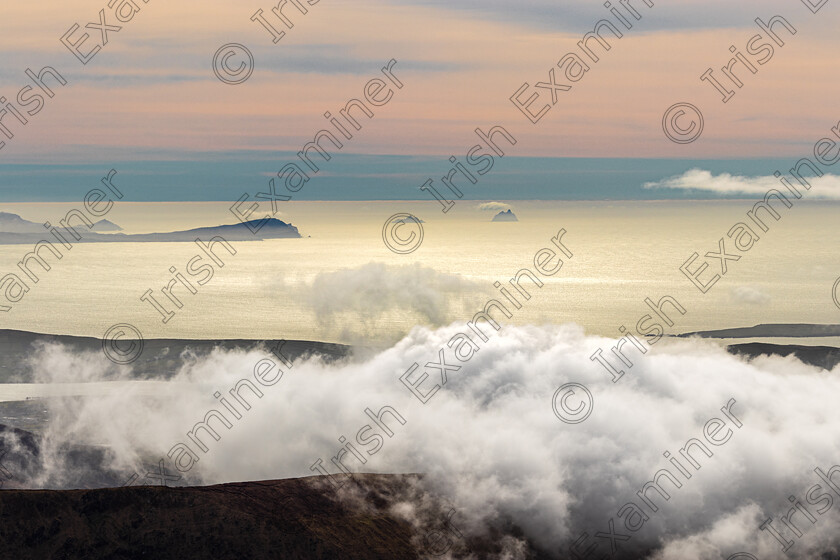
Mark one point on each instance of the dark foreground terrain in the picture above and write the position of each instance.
(370, 516)
(289, 519)
(295, 518)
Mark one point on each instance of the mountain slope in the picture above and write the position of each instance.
(293, 518)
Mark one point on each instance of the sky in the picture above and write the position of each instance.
(150, 105)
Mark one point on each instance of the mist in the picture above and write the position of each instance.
(489, 442)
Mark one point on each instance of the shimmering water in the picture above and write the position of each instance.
(623, 252)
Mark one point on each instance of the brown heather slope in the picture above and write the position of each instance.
(290, 519)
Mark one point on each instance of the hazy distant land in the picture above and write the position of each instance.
(161, 357)
(825, 357)
(15, 230)
(771, 330)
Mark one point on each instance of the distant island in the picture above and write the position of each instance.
(506, 216)
(15, 230)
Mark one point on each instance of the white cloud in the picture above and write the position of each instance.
(493, 206)
(491, 445)
(827, 187)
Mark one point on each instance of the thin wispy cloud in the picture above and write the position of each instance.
(493, 206)
(573, 15)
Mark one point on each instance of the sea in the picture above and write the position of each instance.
(320, 287)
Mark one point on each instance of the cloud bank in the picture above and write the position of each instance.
(491, 444)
